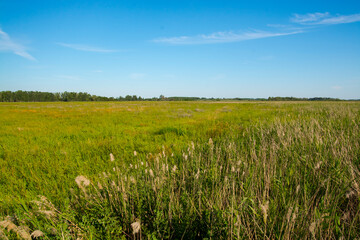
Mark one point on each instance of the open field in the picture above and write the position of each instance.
(180, 170)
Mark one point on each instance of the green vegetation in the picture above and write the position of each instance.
(180, 170)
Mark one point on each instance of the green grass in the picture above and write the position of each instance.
(271, 170)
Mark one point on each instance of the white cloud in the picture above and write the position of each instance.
(222, 37)
(8, 45)
(86, 48)
(309, 17)
(136, 76)
(324, 18)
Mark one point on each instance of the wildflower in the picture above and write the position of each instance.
(135, 153)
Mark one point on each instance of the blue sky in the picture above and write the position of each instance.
(182, 48)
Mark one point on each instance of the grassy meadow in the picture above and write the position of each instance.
(180, 170)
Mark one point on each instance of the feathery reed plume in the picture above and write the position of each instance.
(197, 175)
(37, 233)
(151, 172)
(8, 224)
(264, 209)
(288, 215)
(82, 181)
(132, 179)
(318, 165)
(112, 158)
(48, 213)
(22, 231)
(136, 226)
(312, 228)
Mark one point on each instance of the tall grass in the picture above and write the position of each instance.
(292, 178)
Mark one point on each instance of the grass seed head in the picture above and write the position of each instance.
(136, 226)
(22, 231)
(264, 208)
(82, 181)
(112, 158)
(312, 228)
(37, 233)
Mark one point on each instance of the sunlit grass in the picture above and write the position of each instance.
(183, 169)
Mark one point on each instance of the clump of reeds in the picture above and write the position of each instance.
(297, 171)
(9, 230)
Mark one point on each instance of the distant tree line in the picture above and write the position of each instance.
(302, 99)
(36, 96)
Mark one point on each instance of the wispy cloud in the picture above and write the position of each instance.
(300, 23)
(8, 45)
(324, 18)
(86, 48)
(222, 37)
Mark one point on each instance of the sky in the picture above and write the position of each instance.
(202, 48)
